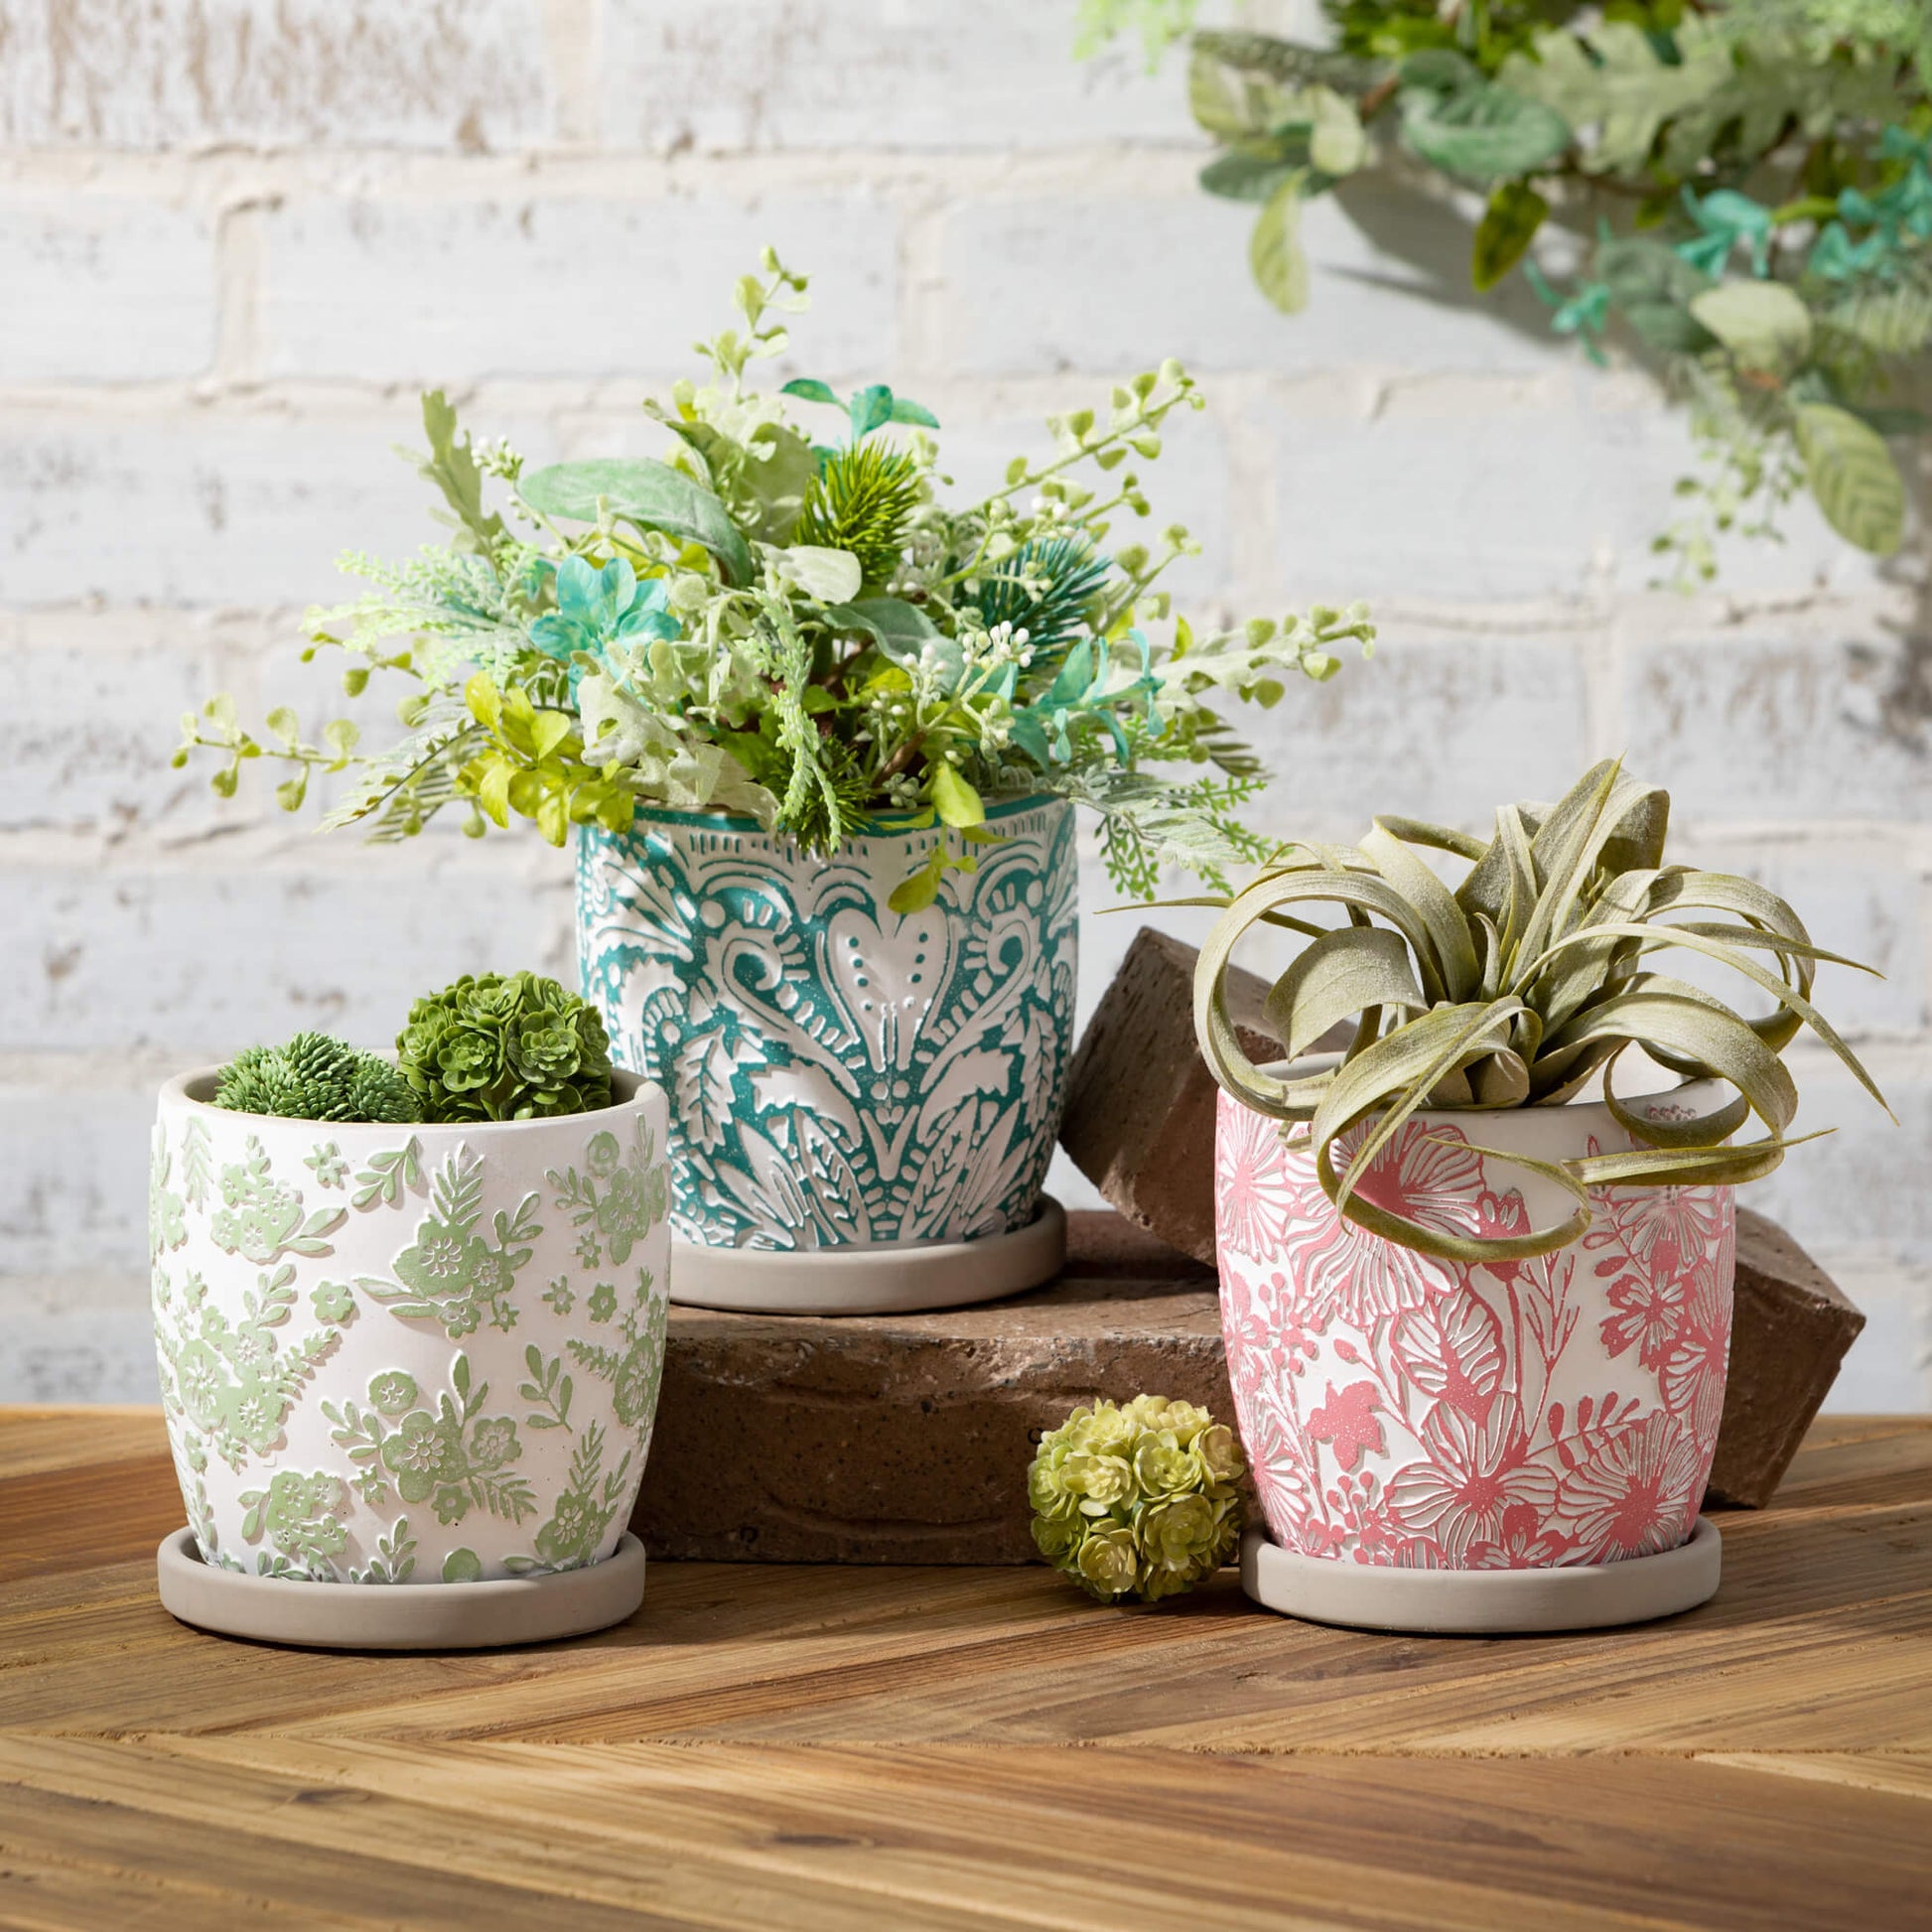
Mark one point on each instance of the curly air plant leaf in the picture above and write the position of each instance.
(1137, 1501)
(1514, 990)
(314, 1077)
(504, 1047)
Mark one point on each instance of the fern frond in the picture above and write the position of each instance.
(1149, 823)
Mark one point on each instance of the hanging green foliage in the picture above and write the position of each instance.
(1746, 183)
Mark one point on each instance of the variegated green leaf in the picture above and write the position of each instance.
(1853, 475)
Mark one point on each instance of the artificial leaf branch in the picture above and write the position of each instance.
(1748, 184)
(1515, 990)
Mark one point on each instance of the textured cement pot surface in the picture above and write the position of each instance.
(1404, 1411)
(409, 1354)
(840, 1074)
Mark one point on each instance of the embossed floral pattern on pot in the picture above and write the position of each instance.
(839, 1074)
(394, 1354)
(1404, 1411)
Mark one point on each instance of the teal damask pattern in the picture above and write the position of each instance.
(837, 1073)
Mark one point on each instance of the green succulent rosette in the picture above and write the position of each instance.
(1138, 1501)
(314, 1077)
(504, 1046)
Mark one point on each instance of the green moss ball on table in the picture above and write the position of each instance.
(1140, 1501)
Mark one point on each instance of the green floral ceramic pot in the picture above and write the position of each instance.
(409, 1354)
(841, 1076)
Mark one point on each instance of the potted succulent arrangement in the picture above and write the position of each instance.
(818, 734)
(1478, 1325)
(1740, 190)
(410, 1317)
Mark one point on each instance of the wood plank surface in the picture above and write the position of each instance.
(770, 1747)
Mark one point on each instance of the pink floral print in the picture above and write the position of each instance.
(1413, 1413)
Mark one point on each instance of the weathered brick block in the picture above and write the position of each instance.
(905, 1438)
(1790, 1329)
(1140, 1100)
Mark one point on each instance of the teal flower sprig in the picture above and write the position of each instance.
(1140, 1501)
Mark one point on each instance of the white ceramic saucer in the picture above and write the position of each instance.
(399, 1616)
(1492, 1602)
(870, 1281)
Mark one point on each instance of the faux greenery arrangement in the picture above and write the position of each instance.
(1514, 990)
(799, 629)
(1137, 1501)
(1743, 188)
(314, 1077)
(495, 1048)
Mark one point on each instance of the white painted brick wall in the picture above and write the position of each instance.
(120, 291)
(162, 74)
(471, 291)
(236, 235)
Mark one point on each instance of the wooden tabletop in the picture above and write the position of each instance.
(775, 1748)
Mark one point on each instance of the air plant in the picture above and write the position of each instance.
(1514, 991)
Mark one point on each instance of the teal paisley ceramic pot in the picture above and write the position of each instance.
(840, 1076)
(409, 1354)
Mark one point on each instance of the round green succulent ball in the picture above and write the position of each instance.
(504, 1046)
(1141, 1501)
(314, 1077)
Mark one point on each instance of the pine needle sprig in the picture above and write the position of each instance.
(863, 502)
(1046, 588)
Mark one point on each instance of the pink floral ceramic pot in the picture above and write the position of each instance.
(1517, 1414)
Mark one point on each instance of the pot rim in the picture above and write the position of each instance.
(629, 1091)
(742, 822)
(1707, 1095)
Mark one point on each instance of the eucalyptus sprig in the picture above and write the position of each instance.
(803, 631)
(1514, 990)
